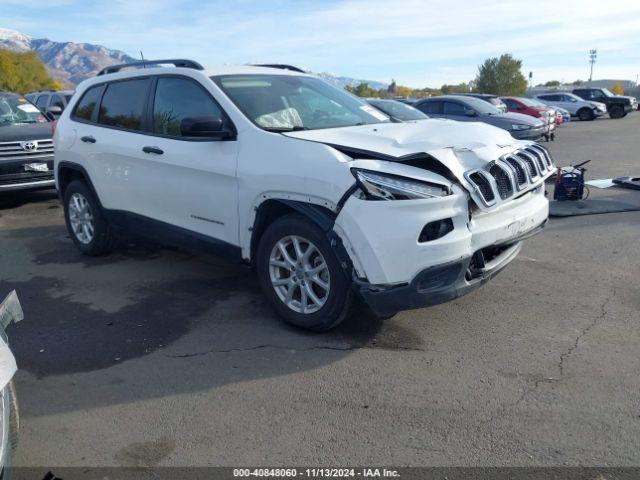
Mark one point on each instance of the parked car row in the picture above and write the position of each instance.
(471, 108)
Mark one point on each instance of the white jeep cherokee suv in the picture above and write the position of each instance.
(316, 189)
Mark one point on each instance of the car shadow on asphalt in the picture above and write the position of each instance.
(188, 322)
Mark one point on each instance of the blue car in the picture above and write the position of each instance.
(471, 109)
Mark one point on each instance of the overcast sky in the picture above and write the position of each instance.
(419, 43)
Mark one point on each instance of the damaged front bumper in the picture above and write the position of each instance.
(445, 282)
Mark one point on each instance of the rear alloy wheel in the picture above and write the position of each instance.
(87, 226)
(616, 111)
(81, 218)
(585, 114)
(300, 274)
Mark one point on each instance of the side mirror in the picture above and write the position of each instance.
(54, 110)
(204, 127)
(470, 112)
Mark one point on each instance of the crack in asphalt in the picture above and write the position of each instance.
(574, 347)
(563, 356)
(569, 352)
(282, 347)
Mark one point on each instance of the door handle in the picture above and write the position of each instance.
(155, 150)
(88, 139)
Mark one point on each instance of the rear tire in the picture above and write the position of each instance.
(616, 111)
(85, 221)
(585, 114)
(301, 276)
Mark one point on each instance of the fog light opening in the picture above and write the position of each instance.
(434, 230)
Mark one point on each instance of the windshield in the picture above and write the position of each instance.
(607, 92)
(15, 110)
(398, 110)
(288, 102)
(480, 106)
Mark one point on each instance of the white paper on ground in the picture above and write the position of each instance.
(600, 183)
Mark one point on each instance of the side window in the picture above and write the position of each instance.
(511, 105)
(57, 101)
(85, 107)
(430, 107)
(454, 108)
(123, 104)
(41, 103)
(552, 98)
(177, 99)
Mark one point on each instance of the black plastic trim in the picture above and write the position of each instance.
(177, 62)
(85, 174)
(167, 234)
(280, 66)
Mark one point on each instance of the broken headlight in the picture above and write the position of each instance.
(383, 186)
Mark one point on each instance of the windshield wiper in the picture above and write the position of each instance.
(284, 129)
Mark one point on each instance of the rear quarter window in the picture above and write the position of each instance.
(87, 104)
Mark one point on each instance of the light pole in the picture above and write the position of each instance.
(592, 59)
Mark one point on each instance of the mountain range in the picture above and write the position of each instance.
(70, 62)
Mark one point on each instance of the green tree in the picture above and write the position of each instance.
(501, 76)
(552, 83)
(24, 72)
(459, 88)
(363, 90)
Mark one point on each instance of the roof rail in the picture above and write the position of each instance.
(178, 62)
(281, 66)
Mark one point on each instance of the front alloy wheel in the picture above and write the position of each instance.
(299, 274)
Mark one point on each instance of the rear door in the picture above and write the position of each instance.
(431, 108)
(554, 100)
(457, 111)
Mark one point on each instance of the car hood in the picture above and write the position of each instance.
(460, 146)
(25, 131)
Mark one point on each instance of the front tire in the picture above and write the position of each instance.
(616, 111)
(86, 224)
(585, 114)
(301, 276)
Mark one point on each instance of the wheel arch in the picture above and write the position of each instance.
(271, 209)
(67, 172)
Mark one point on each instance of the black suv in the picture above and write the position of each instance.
(26, 147)
(50, 102)
(617, 105)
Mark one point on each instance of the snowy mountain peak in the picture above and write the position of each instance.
(14, 40)
(67, 62)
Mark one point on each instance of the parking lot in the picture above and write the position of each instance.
(151, 356)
